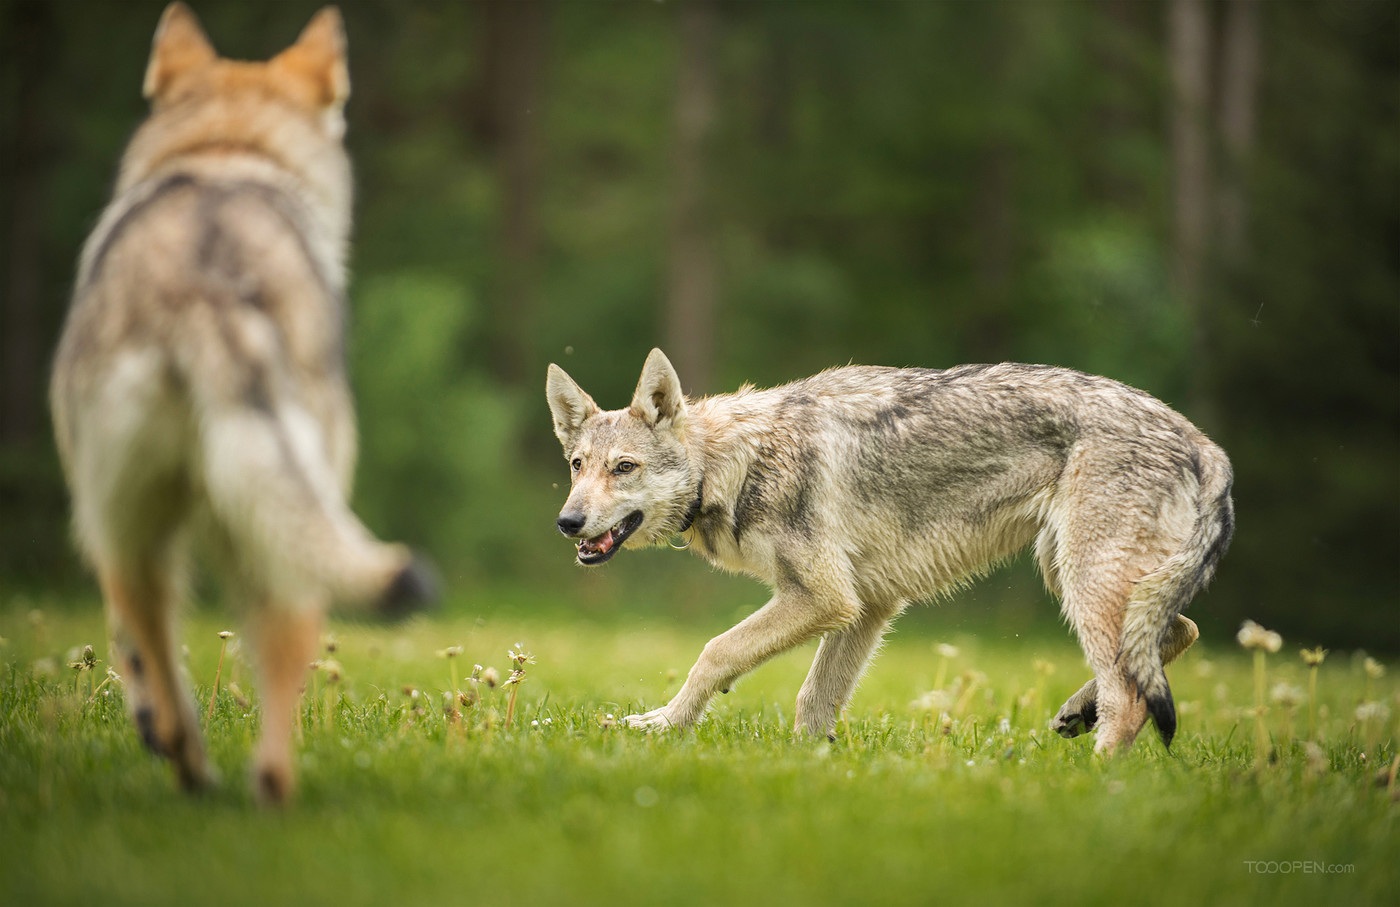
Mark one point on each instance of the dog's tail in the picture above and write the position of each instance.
(274, 490)
(1161, 595)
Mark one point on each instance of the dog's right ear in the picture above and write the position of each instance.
(569, 405)
(179, 46)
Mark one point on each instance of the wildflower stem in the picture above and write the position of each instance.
(214, 694)
(1261, 733)
(1312, 702)
(93, 694)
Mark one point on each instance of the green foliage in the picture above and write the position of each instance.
(906, 183)
(436, 436)
(1106, 284)
(402, 803)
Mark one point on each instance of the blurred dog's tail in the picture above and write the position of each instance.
(272, 488)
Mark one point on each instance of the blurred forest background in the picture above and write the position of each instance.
(1199, 198)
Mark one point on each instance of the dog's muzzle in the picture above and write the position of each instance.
(599, 549)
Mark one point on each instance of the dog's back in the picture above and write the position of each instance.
(200, 376)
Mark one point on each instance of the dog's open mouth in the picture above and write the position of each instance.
(598, 550)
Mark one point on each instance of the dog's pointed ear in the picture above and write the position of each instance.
(179, 46)
(569, 405)
(318, 59)
(659, 398)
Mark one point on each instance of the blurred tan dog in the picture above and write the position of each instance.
(861, 489)
(200, 378)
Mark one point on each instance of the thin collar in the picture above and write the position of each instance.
(694, 509)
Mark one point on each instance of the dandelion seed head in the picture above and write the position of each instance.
(1372, 711)
(1252, 636)
(1374, 669)
(1317, 758)
(1286, 695)
(947, 650)
(933, 701)
(225, 634)
(491, 677)
(1313, 657)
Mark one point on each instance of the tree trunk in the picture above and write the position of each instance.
(1116, 117)
(23, 344)
(1189, 50)
(1239, 77)
(513, 77)
(994, 216)
(690, 300)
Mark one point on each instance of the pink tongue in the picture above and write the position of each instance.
(603, 543)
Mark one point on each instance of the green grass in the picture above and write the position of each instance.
(396, 806)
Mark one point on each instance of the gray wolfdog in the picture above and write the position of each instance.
(861, 489)
(200, 380)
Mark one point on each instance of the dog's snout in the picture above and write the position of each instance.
(570, 523)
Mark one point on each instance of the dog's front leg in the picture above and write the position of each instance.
(789, 619)
(841, 658)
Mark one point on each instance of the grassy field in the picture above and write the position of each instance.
(960, 796)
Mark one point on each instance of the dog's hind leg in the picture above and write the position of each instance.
(140, 605)
(1097, 615)
(1080, 711)
(286, 640)
(842, 657)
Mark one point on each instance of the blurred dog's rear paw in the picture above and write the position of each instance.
(417, 587)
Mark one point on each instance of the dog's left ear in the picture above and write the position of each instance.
(659, 398)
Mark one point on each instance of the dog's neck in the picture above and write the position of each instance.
(694, 509)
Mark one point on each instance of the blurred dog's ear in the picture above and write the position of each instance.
(318, 59)
(179, 47)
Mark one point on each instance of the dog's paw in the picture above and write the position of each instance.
(655, 720)
(1074, 718)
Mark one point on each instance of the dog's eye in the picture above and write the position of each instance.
(576, 463)
(626, 466)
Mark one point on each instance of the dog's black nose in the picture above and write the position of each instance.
(571, 523)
